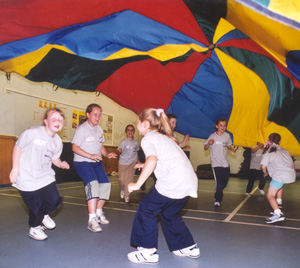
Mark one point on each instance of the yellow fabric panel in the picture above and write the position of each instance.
(223, 28)
(273, 36)
(286, 8)
(23, 64)
(162, 53)
(248, 120)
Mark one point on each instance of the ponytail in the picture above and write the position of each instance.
(158, 120)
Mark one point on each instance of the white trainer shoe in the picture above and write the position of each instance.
(191, 252)
(262, 192)
(144, 255)
(122, 194)
(217, 204)
(94, 226)
(37, 233)
(102, 219)
(48, 222)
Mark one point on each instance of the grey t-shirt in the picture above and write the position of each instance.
(38, 150)
(279, 165)
(218, 150)
(129, 151)
(256, 159)
(89, 139)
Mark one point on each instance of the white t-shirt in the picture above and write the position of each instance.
(38, 150)
(279, 165)
(89, 139)
(218, 150)
(256, 159)
(129, 151)
(175, 175)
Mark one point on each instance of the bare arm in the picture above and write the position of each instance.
(61, 164)
(229, 147)
(184, 141)
(210, 142)
(106, 154)
(15, 164)
(76, 149)
(148, 168)
(264, 170)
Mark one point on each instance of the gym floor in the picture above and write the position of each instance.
(233, 235)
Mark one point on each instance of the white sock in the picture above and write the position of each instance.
(279, 201)
(91, 216)
(99, 212)
(277, 212)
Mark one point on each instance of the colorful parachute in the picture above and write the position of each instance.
(183, 56)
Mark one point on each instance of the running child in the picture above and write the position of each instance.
(278, 163)
(218, 142)
(128, 150)
(176, 182)
(35, 151)
(255, 170)
(88, 148)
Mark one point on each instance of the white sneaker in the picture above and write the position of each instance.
(191, 252)
(217, 204)
(247, 194)
(37, 233)
(122, 194)
(48, 222)
(144, 255)
(102, 219)
(94, 226)
(127, 200)
(262, 192)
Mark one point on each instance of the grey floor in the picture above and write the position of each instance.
(233, 235)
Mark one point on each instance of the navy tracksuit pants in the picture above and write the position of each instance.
(41, 202)
(145, 229)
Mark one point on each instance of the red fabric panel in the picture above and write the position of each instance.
(163, 82)
(21, 19)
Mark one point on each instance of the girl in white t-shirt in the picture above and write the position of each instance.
(278, 163)
(36, 149)
(88, 148)
(176, 182)
(128, 150)
(218, 143)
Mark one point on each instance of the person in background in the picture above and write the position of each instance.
(176, 182)
(173, 122)
(35, 151)
(277, 163)
(88, 148)
(218, 142)
(255, 170)
(128, 151)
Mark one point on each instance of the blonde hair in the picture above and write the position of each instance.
(158, 120)
(53, 110)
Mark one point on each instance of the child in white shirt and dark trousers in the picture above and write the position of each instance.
(35, 151)
(176, 182)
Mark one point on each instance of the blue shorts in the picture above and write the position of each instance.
(276, 184)
(91, 171)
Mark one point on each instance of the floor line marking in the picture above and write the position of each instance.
(234, 212)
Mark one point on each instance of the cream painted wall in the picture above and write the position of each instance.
(15, 108)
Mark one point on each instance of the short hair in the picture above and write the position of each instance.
(170, 116)
(221, 120)
(53, 110)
